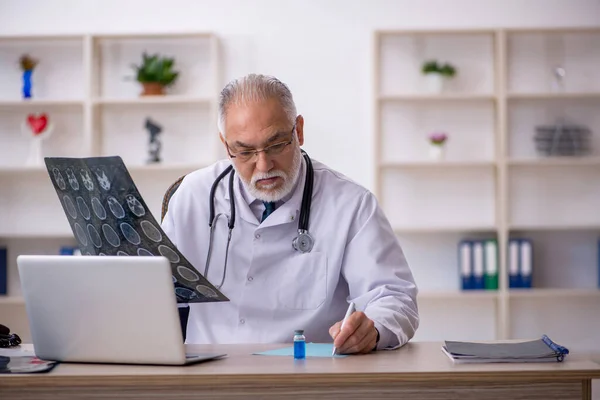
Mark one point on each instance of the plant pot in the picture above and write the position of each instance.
(437, 152)
(434, 83)
(153, 89)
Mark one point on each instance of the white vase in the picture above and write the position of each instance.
(437, 152)
(434, 83)
(35, 157)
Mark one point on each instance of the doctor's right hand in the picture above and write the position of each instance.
(359, 334)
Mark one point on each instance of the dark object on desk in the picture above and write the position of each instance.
(24, 365)
(541, 350)
(562, 140)
(8, 339)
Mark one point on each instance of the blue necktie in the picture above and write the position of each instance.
(269, 208)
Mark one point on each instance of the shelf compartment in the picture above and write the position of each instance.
(437, 164)
(554, 161)
(423, 198)
(425, 97)
(187, 135)
(66, 140)
(532, 57)
(570, 321)
(59, 73)
(544, 293)
(116, 53)
(537, 197)
(405, 127)
(553, 96)
(142, 100)
(563, 261)
(402, 55)
(446, 320)
(525, 115)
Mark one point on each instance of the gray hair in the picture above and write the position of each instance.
(255, 87)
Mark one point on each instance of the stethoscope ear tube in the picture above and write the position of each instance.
(211, 198)
(306, 196)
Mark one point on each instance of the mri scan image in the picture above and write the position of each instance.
(58, 178)
(108, 216)
(72, 179)
(87, 180)
(102, 179)
(135, 206)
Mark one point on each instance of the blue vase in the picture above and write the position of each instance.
(27, 84)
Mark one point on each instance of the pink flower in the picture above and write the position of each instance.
(438, 137)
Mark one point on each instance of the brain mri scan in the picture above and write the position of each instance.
(110, 217)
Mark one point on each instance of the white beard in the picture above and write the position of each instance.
(288, 180)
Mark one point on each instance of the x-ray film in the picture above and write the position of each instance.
(109, 217)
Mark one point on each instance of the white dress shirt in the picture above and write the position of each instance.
(274, 289)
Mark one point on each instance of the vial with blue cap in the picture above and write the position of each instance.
(299, 345)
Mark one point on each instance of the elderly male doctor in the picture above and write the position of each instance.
(274, 288)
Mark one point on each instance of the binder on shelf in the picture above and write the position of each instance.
(69, 251)
(514, 280)
(526, 262)
(3, 271)
(478, 265)
(465, 255)
(491, 264)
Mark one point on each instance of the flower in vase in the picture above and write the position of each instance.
(27, 63)
(438, 138)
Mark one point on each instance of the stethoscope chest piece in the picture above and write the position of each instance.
(303, 242)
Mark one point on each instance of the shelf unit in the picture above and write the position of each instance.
(86, 85)
(492, 183)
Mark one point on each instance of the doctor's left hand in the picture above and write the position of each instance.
(359, 334)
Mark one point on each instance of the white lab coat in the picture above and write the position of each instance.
(274, 289)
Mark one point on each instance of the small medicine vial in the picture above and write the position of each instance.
(299, 345)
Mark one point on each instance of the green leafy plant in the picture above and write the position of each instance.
(430, 67)
(433, 67)
(156, 69)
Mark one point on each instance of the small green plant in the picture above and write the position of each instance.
(156, 69)
(433, 67)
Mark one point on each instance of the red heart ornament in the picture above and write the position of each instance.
(37, 124)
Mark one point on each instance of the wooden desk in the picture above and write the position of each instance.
(416, 371)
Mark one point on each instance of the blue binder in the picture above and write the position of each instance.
(478, 265)
(3, 271)
(525, 262)
(465, 262)
(514, 268)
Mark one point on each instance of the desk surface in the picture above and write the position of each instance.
(418, 361)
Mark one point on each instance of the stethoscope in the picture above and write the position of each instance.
(303, 243)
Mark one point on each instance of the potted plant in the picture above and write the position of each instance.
(435, 75)
(155, 73)
(28, 64)
(437, 143)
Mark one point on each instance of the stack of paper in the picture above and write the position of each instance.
(541, 350)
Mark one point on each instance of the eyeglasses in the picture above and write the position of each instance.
(271, 151)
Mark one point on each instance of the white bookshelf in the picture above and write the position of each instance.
(85, 84)
(492, 182)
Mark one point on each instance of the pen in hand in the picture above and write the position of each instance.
(351, 309)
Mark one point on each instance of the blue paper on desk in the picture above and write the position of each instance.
(312, 350)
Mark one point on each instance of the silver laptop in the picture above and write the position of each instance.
(111, 309)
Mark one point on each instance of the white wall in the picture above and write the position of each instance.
(321, 48)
